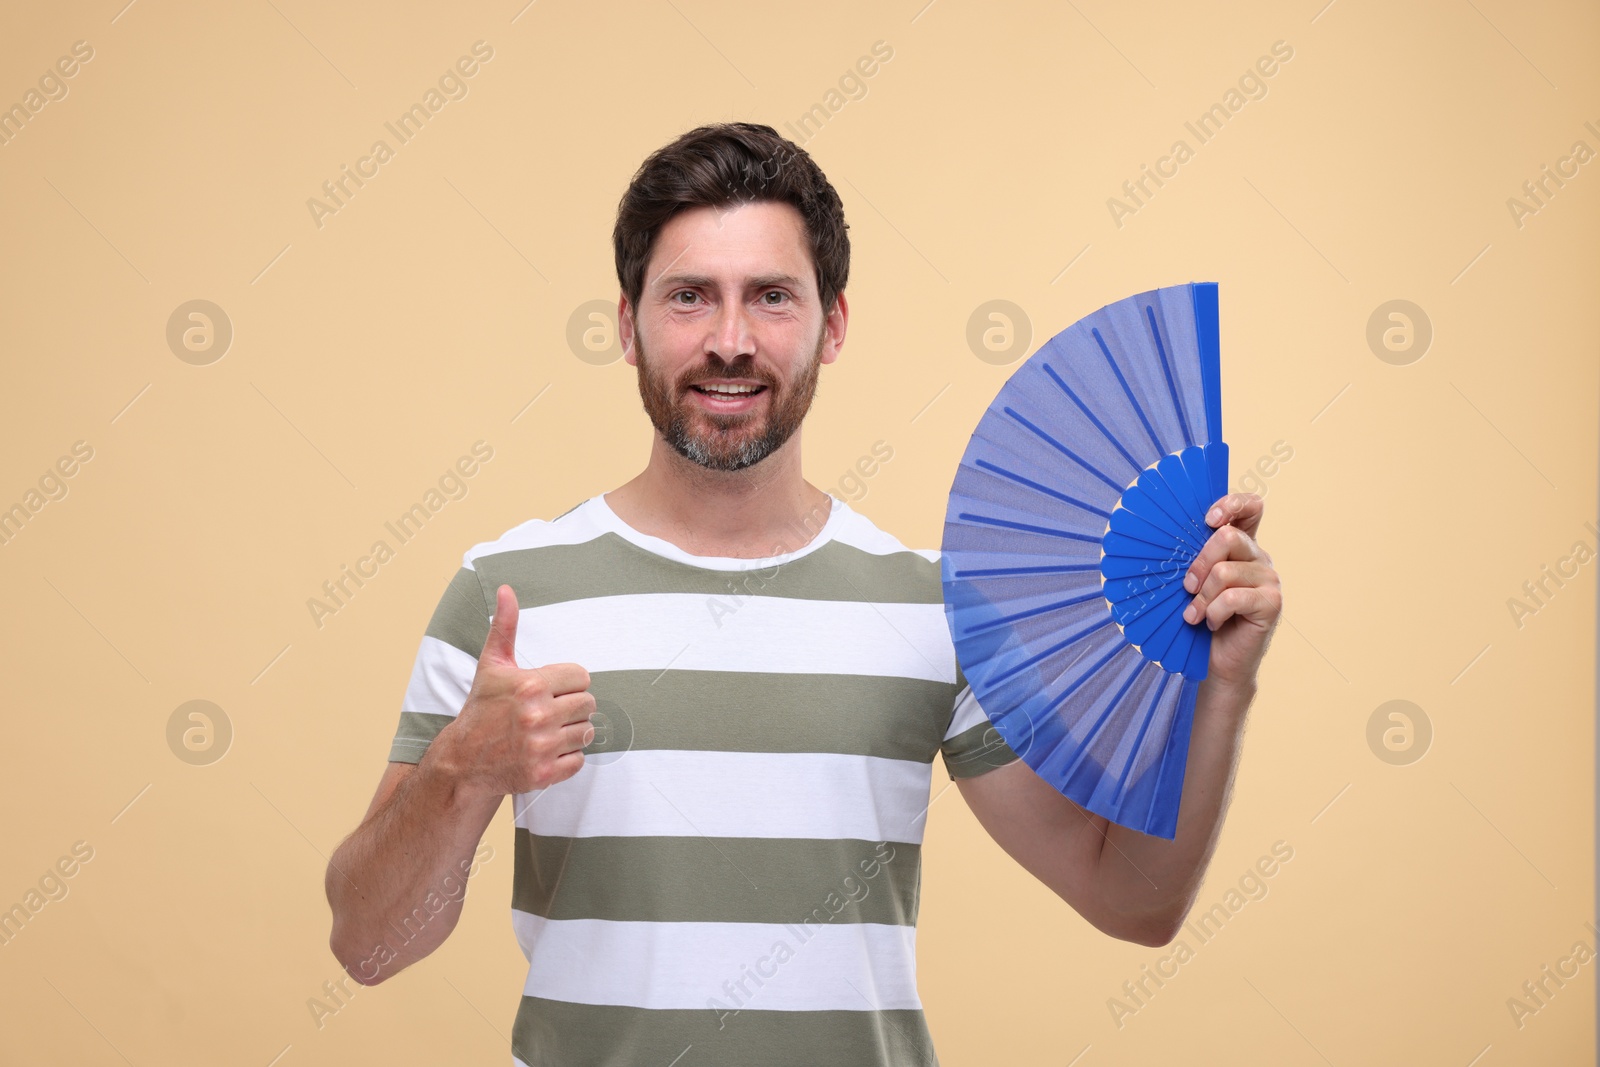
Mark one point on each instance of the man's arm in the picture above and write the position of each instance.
(416, 839)
(1132, 885)
(519, 729)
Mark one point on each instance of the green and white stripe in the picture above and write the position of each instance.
(736, 867)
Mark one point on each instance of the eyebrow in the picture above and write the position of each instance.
(704, 281)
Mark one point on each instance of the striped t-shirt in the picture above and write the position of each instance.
(733, 876)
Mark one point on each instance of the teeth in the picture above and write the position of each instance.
(729, 390)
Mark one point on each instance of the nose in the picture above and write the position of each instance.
(731, 336)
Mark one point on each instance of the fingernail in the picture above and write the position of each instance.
(1188, 582)
(1190, 614)
(1214, 515)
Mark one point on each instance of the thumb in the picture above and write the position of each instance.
(500, 646)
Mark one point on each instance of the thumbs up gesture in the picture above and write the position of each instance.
(520, 729)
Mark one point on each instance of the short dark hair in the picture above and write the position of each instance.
(726, 163)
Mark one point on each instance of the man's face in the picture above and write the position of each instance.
(736, 333)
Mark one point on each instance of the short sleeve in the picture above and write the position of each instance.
(972, 746)
(446, 661)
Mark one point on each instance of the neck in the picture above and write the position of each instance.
(764, 510)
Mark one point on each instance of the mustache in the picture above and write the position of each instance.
(737, 369)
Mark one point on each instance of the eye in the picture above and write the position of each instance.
(683, 292)
(775, 292)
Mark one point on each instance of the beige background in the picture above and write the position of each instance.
(369, 353)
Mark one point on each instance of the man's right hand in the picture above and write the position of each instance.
(520, 729)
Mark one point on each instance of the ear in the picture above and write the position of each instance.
(833, 328)
(625, 330)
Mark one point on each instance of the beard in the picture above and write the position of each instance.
(727, 442)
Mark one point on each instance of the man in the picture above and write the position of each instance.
(720, 766)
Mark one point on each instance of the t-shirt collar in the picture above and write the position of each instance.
(611, 521)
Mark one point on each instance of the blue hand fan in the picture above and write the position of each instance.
(1078, 507)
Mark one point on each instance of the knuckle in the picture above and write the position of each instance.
(574, 766)
(550, 773)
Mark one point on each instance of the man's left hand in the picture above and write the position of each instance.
(1236, 590)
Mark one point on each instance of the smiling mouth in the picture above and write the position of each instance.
(729, 392)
